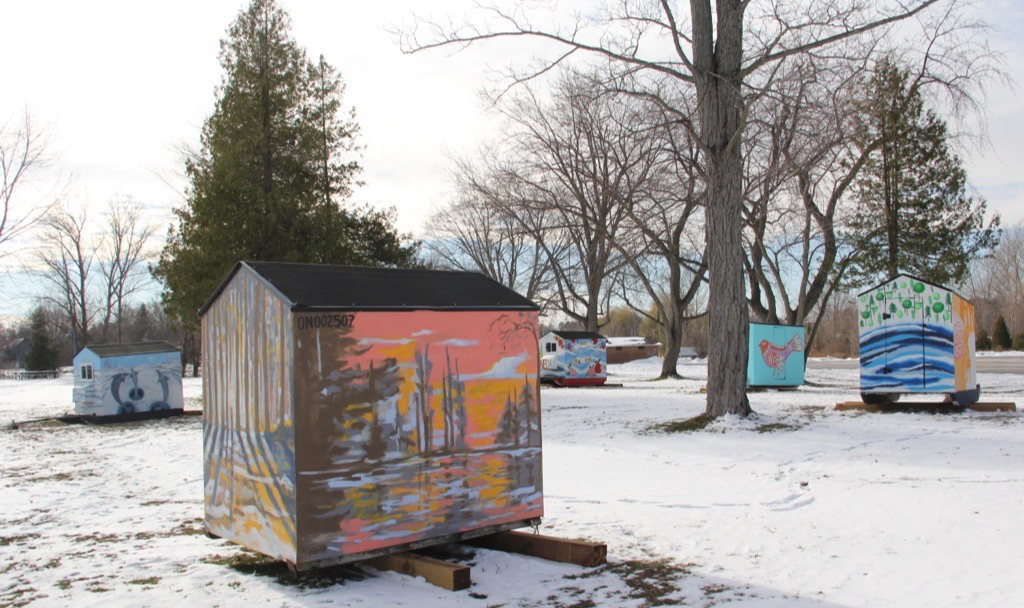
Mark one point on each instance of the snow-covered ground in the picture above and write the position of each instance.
(805, 506)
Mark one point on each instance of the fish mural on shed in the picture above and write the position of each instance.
(353, 412)
(916, 337)
(125, 379)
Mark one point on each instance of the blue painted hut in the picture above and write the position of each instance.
(775, 355)
(113, 379)
(916, 337)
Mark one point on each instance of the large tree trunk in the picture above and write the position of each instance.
(593, 308)
(717, 63)
(673, 341)
(727, 305)
(674, 322)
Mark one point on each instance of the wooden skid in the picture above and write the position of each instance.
(118, 418)
(759, 389)
(546, 547)
(557, 384)
(765, 389)
(453, 577)
(924, 406)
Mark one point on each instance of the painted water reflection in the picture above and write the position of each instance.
(392, 503)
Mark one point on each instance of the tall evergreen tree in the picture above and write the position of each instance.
(914, 212)
(42, 354)
(276, 160)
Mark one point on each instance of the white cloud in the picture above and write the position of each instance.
(457, 342)
(379, 341)
(505, 368)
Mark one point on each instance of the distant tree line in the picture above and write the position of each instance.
(48, 332)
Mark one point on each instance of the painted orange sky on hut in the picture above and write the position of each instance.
(494, 354)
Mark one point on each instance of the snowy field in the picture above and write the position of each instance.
(804, 506)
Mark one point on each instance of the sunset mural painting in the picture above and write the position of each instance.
(365, 411)
(916, 337)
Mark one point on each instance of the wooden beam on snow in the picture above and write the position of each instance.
(551, 548)
(927, 407)
(453, 577)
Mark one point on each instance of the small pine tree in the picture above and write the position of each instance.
(376, 445)
(531, 428)
(983, 342)
(1001, 339)
(509, 427)
(42, 354)
(1018, 342)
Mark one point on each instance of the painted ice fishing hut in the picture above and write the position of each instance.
(916, 337)
(775, 355)
(574, 358)
(353, 412)
(119, 379)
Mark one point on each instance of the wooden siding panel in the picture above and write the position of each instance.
(248, 432)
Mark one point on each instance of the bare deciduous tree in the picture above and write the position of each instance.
(67, 255)
(801, 159)
(727, 49)
(996, 282)
(474, 233)
(579, 160)
(805, 150)
(24, 154)
(122, 253)
(667, 222)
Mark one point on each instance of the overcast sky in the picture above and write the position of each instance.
(123, 84)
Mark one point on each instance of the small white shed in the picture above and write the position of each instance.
(113, 379)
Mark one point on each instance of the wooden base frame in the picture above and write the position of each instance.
(456, 577)
(453, 577)
(551, 548)
(133, 417)
(927, 407)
